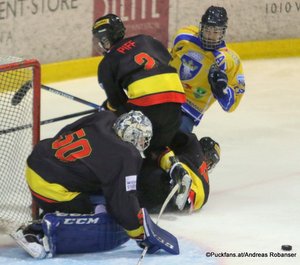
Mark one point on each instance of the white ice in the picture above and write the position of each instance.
(254, 204)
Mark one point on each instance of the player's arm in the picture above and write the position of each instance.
(123, 204)
(227, 82)
(116, 97)
(195, 188)
(236, 78)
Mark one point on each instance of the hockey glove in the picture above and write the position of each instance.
(156, 238)
(218, 81)
(164, 160)
(170, 163)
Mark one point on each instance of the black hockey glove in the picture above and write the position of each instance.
(218, 81)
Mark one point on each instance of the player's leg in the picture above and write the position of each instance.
(165, 119)
(61, 233)
(80, 204)
(187, 123)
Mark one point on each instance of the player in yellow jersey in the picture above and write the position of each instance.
(208, 69)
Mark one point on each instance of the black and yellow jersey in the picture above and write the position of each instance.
(135, 70)
(88, 157)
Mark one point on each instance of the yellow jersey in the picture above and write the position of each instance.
(193, 62)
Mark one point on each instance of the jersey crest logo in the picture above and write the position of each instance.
(190, 65)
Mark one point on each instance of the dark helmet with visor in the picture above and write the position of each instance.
(211, 151)
(108, 30)
(213, 27)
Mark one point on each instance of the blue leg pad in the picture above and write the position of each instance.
(82, 233)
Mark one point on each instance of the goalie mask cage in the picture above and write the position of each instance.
(19, 132)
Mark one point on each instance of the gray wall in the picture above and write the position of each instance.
(49, 30)
(249, 20)
(59, 30)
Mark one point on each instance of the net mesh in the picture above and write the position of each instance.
(15, 144)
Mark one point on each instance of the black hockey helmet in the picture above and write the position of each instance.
(211, 151)
(213, 27)
(108, 30)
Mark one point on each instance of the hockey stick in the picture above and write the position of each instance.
(66, 95)
(20, 94)
(48, 121)
(167, 200)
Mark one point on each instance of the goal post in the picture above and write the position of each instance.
(16, 205)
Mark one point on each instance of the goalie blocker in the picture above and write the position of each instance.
(60, 233)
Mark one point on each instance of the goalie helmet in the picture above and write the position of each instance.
(213, 27)
(108, 30)
(134, 127)
(211, 151)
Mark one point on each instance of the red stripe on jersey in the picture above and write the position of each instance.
(43, 198)
(154, 99)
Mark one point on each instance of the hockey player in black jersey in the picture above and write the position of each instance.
(135, 75)
(99, 154)
(197, 158)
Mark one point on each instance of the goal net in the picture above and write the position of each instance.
(19, 132)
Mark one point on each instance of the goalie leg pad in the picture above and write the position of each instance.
(158, 237)
(82, 233)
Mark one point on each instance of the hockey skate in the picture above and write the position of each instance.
(180, 176)
(30, 241)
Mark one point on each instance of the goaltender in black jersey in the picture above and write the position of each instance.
(100, 154)
(88, 157)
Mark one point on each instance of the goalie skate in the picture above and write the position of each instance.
(30, 244)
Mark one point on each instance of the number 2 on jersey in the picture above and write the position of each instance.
(145, 59)
(72, 146)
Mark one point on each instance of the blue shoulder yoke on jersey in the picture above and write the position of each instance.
(194, 39)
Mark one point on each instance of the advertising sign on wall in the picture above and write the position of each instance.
(139, 16)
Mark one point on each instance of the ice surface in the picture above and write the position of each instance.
(254, 204)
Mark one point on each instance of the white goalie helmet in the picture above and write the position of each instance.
(134, 127)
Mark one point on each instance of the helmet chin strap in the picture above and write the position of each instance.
(104, 46)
